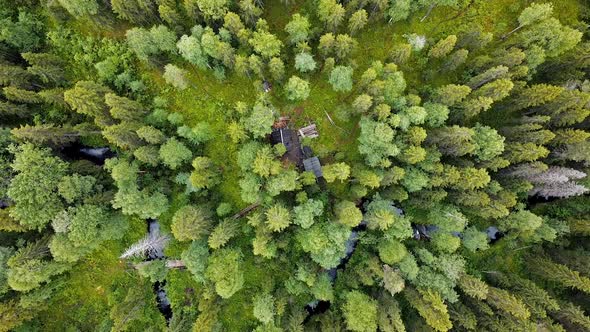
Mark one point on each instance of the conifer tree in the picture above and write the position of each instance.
(558, 273)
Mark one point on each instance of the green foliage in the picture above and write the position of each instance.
(451, 117)
(260, 120)
(175, 77)
(443, 47)
(80, 8)
(431, 307)
(205, 174)
(330, 13)
(154, 270)
(266, 44)
(305, 213)
(360, 312)
(298, 29)
(173, 153)
(348, 214)
(224, 270)
(376, 142)
(391, 251)
(34, 187)
(297, 88)
(277, 218)
(24, 32)
(190, 223)
(325, 242)
(474, 239)
(264, 308)
(195, 257)
(341, 78)
(304, 62)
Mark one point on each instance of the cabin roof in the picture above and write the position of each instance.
(313, 165)
(290, 140)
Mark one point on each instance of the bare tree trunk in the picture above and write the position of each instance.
(428, 12)
(175, 264)
(245, 211)
(511, 32)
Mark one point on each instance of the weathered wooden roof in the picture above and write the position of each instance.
(290, 140)
(313, 165)
(309, 131)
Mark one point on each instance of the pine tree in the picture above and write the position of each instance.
(389, 317)
(456, 59)
(34, 187)
(443, 47)
(536, 298)
(298, 29)
(264, 307)
(572, 315)
(174, 153)
(123, 135)
(80, 8)
(224, 269)
(47, 134)
(462, 316)
(276, 68)
(531, 15)
(473, 287)
(558, 273)
(21, 96)
(360, 312)
(88, 98)
(357, 21)
(341, 78)
(124, 109)
(297, 88)
(175, 76)
(277, 218)
(489, 75)
(222, 233)
(503, 300)
(430, 306)
(330, 13)
(453, 141)
(393, 282)
(190, 223)
(521, 152)
(137, 12)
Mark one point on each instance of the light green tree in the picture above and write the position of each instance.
(304, 62)
(34, 187)
(225, 271)
(341, 78)
(190, 223)
(174, 153)
(348, 214)
(360, 312)
(278, 218)
(298, 29)
(175, 76)
(297, 88)
(264, 308)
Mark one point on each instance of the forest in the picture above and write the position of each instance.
(294, 165)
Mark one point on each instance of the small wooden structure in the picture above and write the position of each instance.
(313, 165)
(309, 131)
